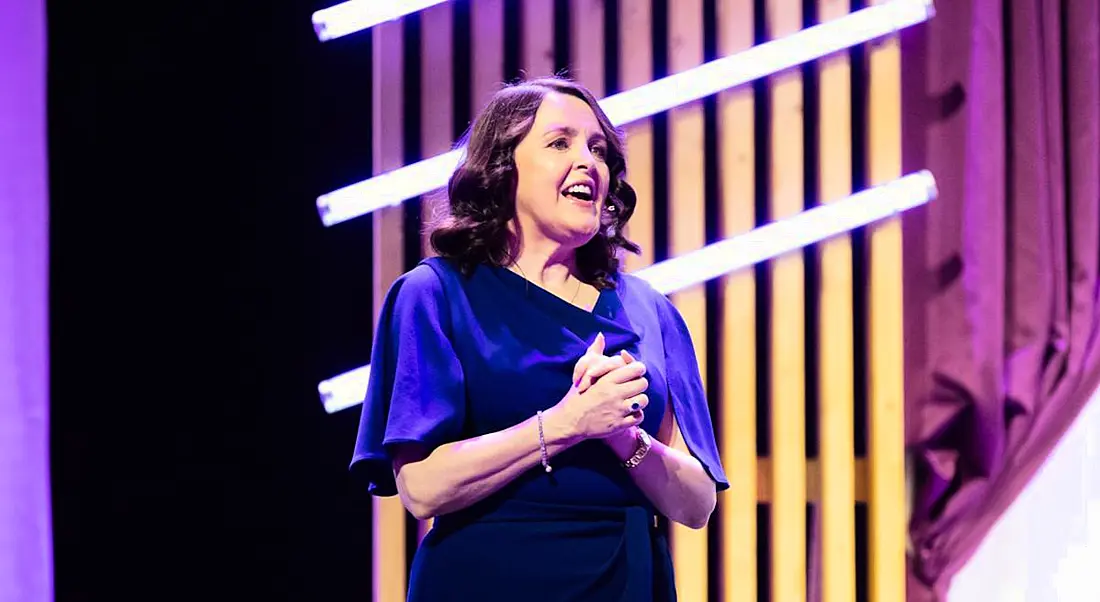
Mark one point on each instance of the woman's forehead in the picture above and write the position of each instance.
(566, 113)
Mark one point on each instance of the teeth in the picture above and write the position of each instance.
(582, 188)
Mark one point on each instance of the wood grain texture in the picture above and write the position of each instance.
(436, 106)
(636, 69)
(886, 440)
(788, 363)
(487, 50)
(737, 412)
(687, 233)
(836, 327)
(388, 555)
(586, 19)
(537, 39)
(766, 487)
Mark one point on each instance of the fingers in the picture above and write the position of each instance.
(598, 345)
(633, 388)
(636, 403)
(598, 371)
(627, 372)
(581, 367)
(594, 351)
(599, 368)
(594, 365)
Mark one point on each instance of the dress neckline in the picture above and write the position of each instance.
(551, 297)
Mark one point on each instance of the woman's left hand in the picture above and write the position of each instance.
(594, 364)
(590, 369)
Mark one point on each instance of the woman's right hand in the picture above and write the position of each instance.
(607, 397)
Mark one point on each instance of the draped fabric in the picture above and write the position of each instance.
(1006, 353)
(26, 573)
(456, 357)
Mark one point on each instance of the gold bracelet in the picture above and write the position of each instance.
(644, 445)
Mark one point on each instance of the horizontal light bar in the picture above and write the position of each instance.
(761, 244)
(777, 238)
(394, 187)
(346, 390)
(357, 15)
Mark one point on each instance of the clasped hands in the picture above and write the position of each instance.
(607, 399)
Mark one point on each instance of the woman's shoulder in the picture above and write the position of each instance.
(428, 274)
(634, 286)
(423, 282)
(640, 291)
(427, 283)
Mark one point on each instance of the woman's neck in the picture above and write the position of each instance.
(549, 265)
(545, 270)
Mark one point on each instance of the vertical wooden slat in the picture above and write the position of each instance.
(537, 38)
(737, 429)
(636, 69)
(487, 39)
(788, 370)
(388, 558)
(886, 510)
(836, 388)
(436, 111)
(436, 90)
(687, 218)
(586, 43)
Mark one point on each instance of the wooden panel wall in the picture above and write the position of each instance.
(836, 328)
(638, 17)
(787, 377)
(737, 394)
(388, 113)
(886, 423)
(794, 353)
(686, 223)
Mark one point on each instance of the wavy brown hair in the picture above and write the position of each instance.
(481, 192)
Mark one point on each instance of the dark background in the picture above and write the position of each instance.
(196, 301)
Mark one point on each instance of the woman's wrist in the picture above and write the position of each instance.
(623, 443)
(559, 428)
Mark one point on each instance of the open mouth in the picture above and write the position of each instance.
(580, 192)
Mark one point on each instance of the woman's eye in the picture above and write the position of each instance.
(600, 152)
(560, 144)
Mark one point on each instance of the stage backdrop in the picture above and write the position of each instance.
(25, 540)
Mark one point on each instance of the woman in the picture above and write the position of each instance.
(523, 391)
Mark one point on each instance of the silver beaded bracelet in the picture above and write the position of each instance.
(542, 445)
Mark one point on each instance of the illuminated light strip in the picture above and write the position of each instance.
(357, 15)
(739, 252)
(394, 187)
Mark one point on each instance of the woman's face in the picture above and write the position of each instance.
(562, 173)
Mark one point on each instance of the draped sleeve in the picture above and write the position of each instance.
(416, 391)
(688, 398)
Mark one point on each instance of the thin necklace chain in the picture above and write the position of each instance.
(528, 280)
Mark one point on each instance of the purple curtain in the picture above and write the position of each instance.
(26, 567)
(1003, 105)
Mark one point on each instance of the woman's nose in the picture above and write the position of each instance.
(584, 157)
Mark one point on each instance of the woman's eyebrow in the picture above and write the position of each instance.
(561, 129)
(572, 132)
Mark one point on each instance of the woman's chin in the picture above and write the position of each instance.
(574, 232)
(585, 232)
(577, 237)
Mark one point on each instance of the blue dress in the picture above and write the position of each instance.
(457, 357)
